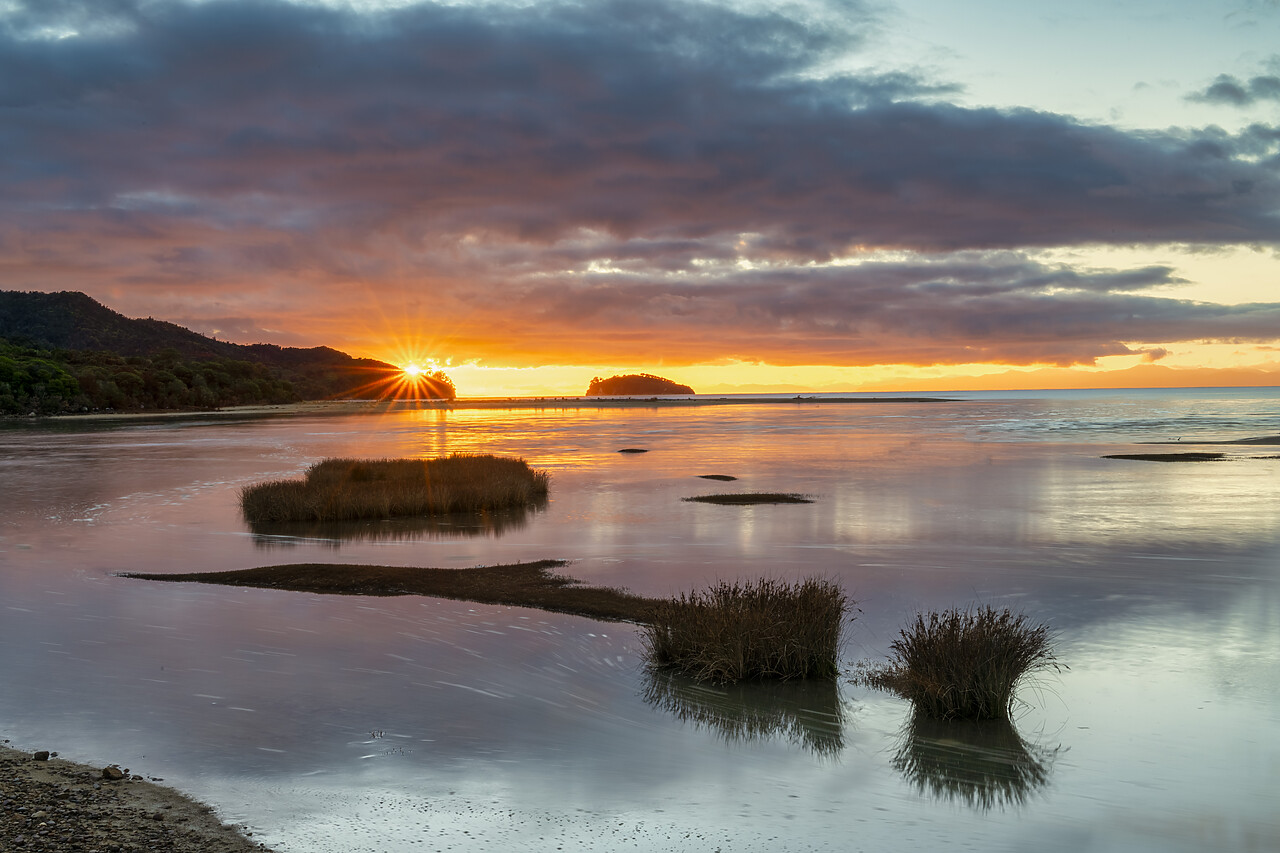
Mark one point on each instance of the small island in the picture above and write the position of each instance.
(635, 384)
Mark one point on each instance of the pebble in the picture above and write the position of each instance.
(49, 804)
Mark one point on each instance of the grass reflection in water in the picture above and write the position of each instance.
(982, 764)
(807, 713)
(333, 534)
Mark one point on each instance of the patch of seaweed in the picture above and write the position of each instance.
(1191, 456)
(751, 498)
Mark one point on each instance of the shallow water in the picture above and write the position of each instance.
(390, 724)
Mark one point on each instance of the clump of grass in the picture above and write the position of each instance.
(749, 630)
(751, 498)
(964, 664)
(348, 489)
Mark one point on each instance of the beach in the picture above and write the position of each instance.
(53, 804)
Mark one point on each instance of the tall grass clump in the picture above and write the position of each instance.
(350, 489)
(749, 630)
(965, 664)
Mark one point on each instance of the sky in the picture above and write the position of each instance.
(819, 195)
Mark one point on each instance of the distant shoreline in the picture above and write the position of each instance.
(351, 407)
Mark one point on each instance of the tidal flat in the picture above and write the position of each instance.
(454, 725)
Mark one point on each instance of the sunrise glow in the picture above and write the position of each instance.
(892, 196)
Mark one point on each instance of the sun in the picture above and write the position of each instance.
(412, 371)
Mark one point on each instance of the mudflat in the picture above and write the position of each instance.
(519, 584)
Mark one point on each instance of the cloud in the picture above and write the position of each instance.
(555, 179)
(1230, 91)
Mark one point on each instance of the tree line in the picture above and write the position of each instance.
(35, 380)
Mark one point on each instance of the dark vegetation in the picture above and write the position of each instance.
(807, 713)
(766, 629)
(347, 489)
(1168, 457)
(982, 764)
(751, 498)
(964, 664)
(64, 352)
(634, 384)
(46, 382)
(520, 584)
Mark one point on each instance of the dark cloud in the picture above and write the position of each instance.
(949, 309)
(1231, 91)
(614, 171)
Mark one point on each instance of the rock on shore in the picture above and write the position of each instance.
(48, 804)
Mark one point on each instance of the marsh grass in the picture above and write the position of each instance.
(751, 498)
(766, 629)
(350, 489)
(808, 714)
(982, 764)
(964, 664)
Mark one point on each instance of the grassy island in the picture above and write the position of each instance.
(349, 489)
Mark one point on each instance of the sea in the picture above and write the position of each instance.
(327, 723)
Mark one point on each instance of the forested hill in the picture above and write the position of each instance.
(73, 321)
(67, 352)
(635, 384)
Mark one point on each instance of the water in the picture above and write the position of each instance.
(329, 723)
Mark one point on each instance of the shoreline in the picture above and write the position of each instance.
(53, 804)
(349, 407)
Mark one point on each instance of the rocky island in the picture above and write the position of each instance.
(635, 384)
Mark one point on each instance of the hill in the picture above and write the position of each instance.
(66, 351)
(635, 384)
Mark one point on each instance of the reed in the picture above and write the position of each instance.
(749, 630)
(964, 664)
(349, 489)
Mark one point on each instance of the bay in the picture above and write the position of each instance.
(330, 723)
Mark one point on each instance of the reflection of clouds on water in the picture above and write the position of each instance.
(333, 534)
(807, 713)
(982, 764)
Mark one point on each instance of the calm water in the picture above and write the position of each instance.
(406, 724)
